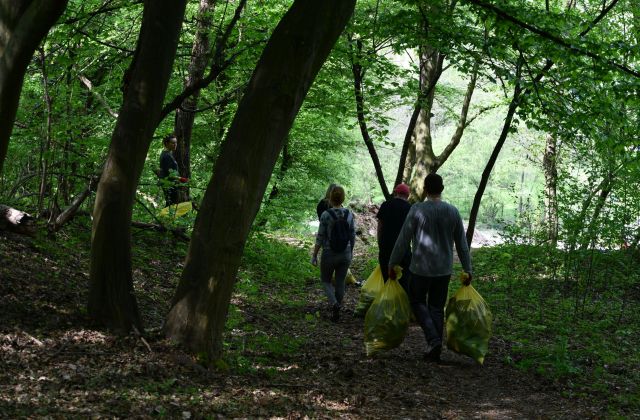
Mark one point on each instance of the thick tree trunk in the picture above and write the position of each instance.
(549, 165)
(111, 299)
(290, 62)
(24, 24)
(185, 114)
(426, 161)
(431, 62)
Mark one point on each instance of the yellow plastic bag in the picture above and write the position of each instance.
(176, 210)
(469, 321)
(349, 279)
(369, 291)
(387, 320)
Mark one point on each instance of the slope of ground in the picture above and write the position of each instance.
(286, 360)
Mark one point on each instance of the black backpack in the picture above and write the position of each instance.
(339, 236)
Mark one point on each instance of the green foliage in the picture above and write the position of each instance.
(572, 317)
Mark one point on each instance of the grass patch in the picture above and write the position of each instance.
(573, 318)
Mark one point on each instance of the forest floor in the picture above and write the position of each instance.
(291, 363)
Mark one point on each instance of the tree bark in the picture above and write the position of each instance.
(16, 221)
(406, 144)
(111, 299)
(24, 25)
(431, 63)
(290, 62)
(356, 69)
(549, 165)
(185, 114)
(484, 180)
(45, 142)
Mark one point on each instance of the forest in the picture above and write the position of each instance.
(118, 302)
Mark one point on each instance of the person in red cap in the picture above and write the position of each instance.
(390, 219)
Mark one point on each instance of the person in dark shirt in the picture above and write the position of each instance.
(390, 219)
(169, 173)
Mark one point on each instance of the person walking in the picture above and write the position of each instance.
(391, 217)
(432, 227)
(336, 236)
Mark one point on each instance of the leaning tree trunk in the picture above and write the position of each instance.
(23, 26)
(484, 180)
(289, 63)
(111, 299)
(358, 73)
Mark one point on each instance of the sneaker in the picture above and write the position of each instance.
(335, 313)
(433, 355)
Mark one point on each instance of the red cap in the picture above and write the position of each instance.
(402, 189)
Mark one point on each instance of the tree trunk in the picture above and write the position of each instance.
(111, 299)
(287, 160)
(431, 62)
(45, 142)
(16, 221)
(24, 24)
(484, 180)
(185, 114)
(289, 63)
(590, 235)
(549, 165)
(406, 144)
(357, 71)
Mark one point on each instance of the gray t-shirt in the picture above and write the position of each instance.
(432, 227)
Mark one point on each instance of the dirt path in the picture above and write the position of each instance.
(333, 375)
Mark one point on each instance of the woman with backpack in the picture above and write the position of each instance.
(336, 236)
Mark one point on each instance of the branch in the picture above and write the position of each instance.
(216, 66)
(87, 83)
(106, 44)
(462, 122)
(557, 39)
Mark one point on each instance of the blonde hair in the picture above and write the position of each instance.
(337, 196)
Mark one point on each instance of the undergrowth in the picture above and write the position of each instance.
(573, 318)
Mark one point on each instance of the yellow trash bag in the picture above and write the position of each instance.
(387, 320)
(349, 279)
(369, 291)
(176, 210)
(469, 321)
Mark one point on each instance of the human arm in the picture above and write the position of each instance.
(314, 257)
(352, 231)
(462, 248)
(320, 238)
(380, 216)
